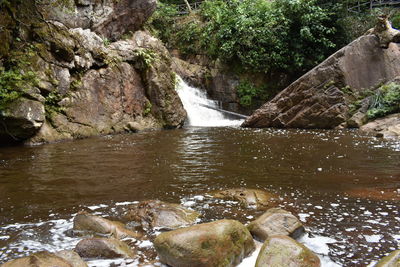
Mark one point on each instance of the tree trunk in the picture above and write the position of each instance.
(188, 6)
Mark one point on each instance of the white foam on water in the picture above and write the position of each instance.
(97, 207)
(193, 100)
(126, 203)
(251, 260)
(373, 238)
(319, 245)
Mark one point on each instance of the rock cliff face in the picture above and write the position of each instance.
(108, 18)
(321, 97)
(79, 83)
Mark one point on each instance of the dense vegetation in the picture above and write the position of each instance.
(266, 37)
(385, 101)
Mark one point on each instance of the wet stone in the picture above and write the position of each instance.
(276, 222)
(103, 248)
(161, 215)
(219, 243)
(250, 198)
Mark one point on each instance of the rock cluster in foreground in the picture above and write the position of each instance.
(218, 243)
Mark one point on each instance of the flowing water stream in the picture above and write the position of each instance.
(343, 186)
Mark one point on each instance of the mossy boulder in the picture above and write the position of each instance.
(279, 251)
(276, 222)
(46, 259)
(103, 248)
(250, 198)
(392, 260)
(162, 215)
(88, 223)
(219, 243)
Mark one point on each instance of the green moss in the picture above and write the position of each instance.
(147, 109)
(52, 105)
(15, 80)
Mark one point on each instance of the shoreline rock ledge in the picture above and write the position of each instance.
(322, 97)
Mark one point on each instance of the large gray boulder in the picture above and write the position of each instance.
(320, 98)
(285, 251)
(161, 215)
(276, 222)
(219, 243)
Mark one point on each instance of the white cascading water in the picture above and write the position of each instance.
(199, 115)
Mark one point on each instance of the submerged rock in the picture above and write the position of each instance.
(103, 248)
(94, 224)
(387, 127)
(219, 243)
(276, 222)
(47, 259)
(321, 97)
(248, 197)
(392, 260)
(157, 214)
(285, 251)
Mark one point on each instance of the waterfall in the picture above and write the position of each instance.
(193, 100)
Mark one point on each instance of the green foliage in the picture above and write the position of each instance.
(396, 20)
(106, 42)
(147, 108)
(248, 93)
(52, 105)
(258, 35)
(162, 21)
(145, 57)
(386, 101)
(12, 84)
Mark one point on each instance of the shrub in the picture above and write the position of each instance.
(386, 101)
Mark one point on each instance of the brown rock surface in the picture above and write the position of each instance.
(318, 99)
(285, 251)
(387, 127)
(108, 18)
(91, 223)
(43, 259)
(275, 222)
(72, 258)
(103, 248)
(157, 214)
(256, 198)
(392, 260)
(219, 243)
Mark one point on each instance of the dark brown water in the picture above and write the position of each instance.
(342, 185)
